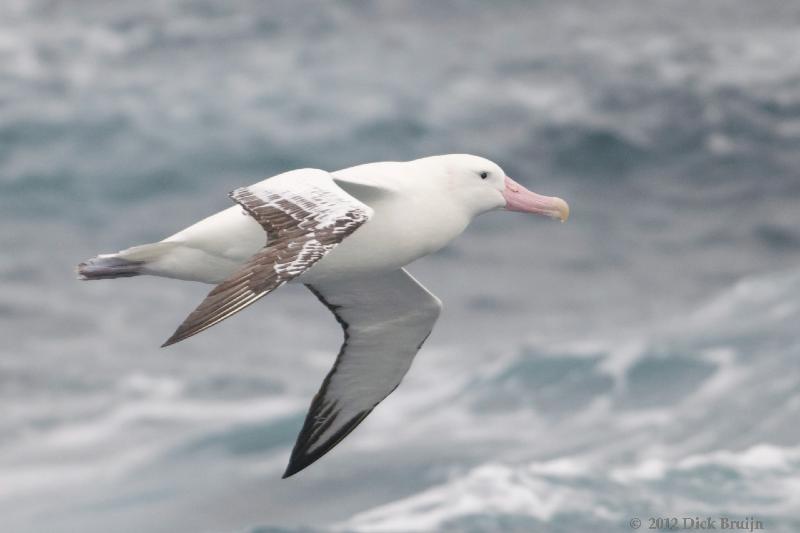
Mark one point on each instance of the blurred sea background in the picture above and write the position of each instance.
(642, 360)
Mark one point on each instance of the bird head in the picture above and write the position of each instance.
(483, 186)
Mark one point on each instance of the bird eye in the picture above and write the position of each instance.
(484, 175)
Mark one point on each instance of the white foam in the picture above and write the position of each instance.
(491, 488)
(760, 457)
(111, 425)
(649, 470)
(53, 476)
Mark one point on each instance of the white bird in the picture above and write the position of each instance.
(346, 235)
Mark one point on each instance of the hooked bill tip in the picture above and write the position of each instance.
(562, 209)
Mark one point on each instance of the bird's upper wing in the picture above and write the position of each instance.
(385, 319)
(305, 215)
(366, 191)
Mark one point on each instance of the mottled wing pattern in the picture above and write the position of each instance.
(304, 219)
(385, 319)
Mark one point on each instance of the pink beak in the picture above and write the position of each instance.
(518, 198)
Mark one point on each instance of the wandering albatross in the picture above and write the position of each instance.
(346, 235)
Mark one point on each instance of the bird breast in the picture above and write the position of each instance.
(400, 231)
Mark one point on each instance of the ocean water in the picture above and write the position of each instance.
(641, 360)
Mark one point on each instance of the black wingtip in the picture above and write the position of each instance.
(302, 458)
(292, 468)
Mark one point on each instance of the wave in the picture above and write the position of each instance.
(561, 494)
(674, 138)
(596, 414)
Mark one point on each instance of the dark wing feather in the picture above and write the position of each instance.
(385, 320)
(304, 220)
